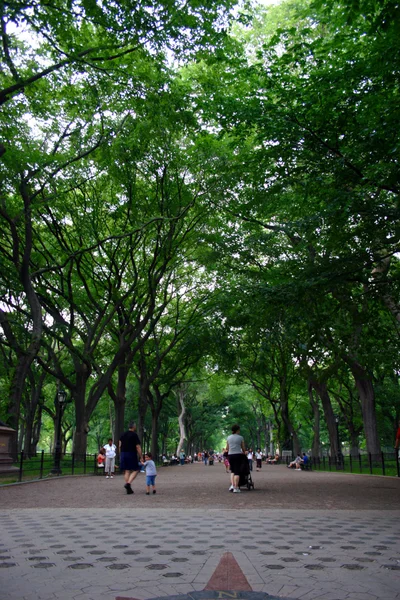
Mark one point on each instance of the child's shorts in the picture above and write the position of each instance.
(151, 479)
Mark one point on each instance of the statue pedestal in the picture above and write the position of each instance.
(6, 461)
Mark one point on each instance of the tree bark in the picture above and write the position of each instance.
(119, 400)
(30, 413)
(180, 395)
(81, 416)
(315, 449)
(366, 392)
(322, 390)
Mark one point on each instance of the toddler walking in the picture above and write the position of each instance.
(151, 473)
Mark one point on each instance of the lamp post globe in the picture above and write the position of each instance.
(61, 396)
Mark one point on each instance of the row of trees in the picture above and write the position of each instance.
(189, 198)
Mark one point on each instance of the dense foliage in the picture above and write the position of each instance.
(200, 223)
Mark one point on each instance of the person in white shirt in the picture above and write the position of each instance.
(258, 459)
(250, 458)
(110, 449)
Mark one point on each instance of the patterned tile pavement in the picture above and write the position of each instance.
(105, 553)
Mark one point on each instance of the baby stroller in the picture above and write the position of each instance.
(245, 479)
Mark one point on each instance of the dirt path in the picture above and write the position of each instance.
(200, 487)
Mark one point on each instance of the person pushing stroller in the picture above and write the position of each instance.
(236, 450)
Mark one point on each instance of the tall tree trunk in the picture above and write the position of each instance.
(315, 449)
(322, 390)
(30, 412)
(37, 428)
(16, 393)
(119, 399)
(180, 395)
(290, 432)
(155, 407)
(142, 410)
(81, 416)
(366, 391)
(27, 355)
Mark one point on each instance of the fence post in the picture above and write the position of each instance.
(329, 462)
(94, 464)
(84, 464)
(360, 462)
(21, 462)
(351, 463)
(397, 461)
(383, 463)
(370, 462)
(323, 461)
(41, 465)
(73, 463)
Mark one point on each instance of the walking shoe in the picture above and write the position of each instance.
(154, 491)
(106, 476)
(147, 493)
(112, 477)
(236, 491)
(128, 488)
(231, 488)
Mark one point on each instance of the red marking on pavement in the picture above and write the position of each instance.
(228, 576)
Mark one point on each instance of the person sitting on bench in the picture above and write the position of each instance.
(296, 463)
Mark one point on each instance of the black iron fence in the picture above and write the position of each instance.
(385, 463)
(44, 465)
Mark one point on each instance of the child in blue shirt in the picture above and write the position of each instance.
(151, 473)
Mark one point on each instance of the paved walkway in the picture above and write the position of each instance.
(154, 546)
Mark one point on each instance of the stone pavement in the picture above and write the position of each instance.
(134, 552)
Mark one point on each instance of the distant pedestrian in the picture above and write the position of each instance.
(151, 473)
(205, 456)
(130, 455)
(258, 459)
(110, 450)
(250, 458)
(226, 461)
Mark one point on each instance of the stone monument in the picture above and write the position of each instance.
(6, 460)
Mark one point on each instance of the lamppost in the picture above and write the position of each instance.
(59, 402)
(339, 462)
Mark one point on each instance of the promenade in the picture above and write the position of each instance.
(303, 535)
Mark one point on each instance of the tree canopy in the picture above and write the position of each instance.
(200, 222)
